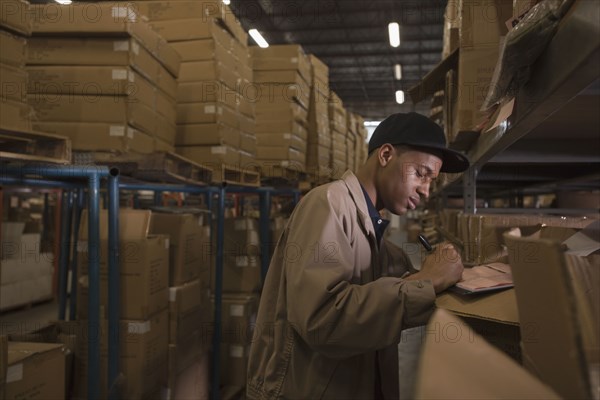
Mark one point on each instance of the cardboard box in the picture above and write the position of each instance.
(281, 153)
(247, 123)
(15, 116)
(143, 356)
(92, 81)
(248, 143)
(100, 136)
(109, 19)
(143, 269)
(186, 29)
(206, 113)
(117, 110)
(241, 273)
(185, 302)
(318, 159)
(281, 140)
(291, 127)
(238, 317)
(207, 134)
(14, 50)
(13, 83)
(187, 240)
(284, 111)
(483, 22)
(193, 378)
(211, 155)
(15, 16)
(469, 367)
(216, 49)
(320, 74)
(35, 371)
(195, 71)
(281, 57)
(234, 361)
(208, 91)
(94, 51)
(277, 92)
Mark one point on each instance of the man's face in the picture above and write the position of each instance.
(405, 179)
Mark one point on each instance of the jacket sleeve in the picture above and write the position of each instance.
(333, 316)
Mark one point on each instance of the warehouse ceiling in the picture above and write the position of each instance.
(351, 37)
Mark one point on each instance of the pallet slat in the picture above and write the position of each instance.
(34, 146)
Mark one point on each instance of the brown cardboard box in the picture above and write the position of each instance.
(13, 83)
(281, 140)
(94, 51)
(15, 16)
(292, 127)
(281, 153)
(187, 29)
(14, 50)
(483, 22)
(320, 73)
(100, 136)
(143, 269)
(234, 361)
(277, 92)
(194, 71)
(207, 49)
(109, 18)
(206, 113)
(238, 317)
(117, 110)
(241, 237)
(248, 123)
(189, 376)
(35, 371)
(15, 115)
(170, 10)
(468, 367)
(207, 134)
(241, 273)
(187, 241)
(276, 110)
(211, 155)
(281, 57)
(185, 302)
(318, 160)
(207, 91)
(550, 311)
(143, 356)
(248, 143)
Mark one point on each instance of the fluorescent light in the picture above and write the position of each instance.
(398, 72)
(258, 38)
(399, 96)
(394, 31)
(226, 2)
(64, 2)
(372, 123)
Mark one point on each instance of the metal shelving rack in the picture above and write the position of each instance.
(552, 138)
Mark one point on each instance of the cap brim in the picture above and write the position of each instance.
(453, 161)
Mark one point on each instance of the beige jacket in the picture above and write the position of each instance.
(331, 306)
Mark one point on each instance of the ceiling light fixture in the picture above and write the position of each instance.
(399, 96)
(398, 72)
(394, 31)
(64, 2)
(258, 38)
(226, 2)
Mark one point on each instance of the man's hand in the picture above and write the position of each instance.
(443, 267)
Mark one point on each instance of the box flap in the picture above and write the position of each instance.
(500, 307)
(465, 366)
(19, 351)
(435, 79)
(133, 224)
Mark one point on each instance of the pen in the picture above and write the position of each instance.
(425, 243)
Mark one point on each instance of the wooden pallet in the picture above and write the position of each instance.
(163, 167)
(34, 147)
(236, 176)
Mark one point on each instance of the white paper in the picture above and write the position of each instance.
(584, 242)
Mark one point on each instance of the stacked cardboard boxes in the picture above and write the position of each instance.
(26, 272)
(281, 75)
(362, 147)
(15, 27)
(190, 313)
(319, 135)
(339, 130)
(351, 141)
(101, 56)
(144, 299)
(215, 114)
(478, 48)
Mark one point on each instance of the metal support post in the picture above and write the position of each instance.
(215, 392)
(265, 237)
(470, 190)
(65, 251)
(114, 287)
(78, 208)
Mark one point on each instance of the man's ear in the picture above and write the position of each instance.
(385, 154)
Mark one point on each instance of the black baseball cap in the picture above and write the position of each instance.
(413, 129)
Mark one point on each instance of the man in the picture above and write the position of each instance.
(334, 302)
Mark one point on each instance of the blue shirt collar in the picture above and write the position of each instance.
(379, 223)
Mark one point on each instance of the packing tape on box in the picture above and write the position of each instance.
(117, 130)
(242, 261)
(209, 109)
(121, 45)
(138, 328)
(119, 74)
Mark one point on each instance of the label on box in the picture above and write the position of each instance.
(14, 373)
(218, 150)
(121, 45)
(236, 310)
(123, 12)
(129, 133)
(131, 77)
(236, 351)
(294, 60)
(138, 328)
(172, 294)
(119, 74)
(241, 261)
(209, 109)
(116, 130)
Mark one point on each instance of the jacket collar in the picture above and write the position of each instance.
(357, 195)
